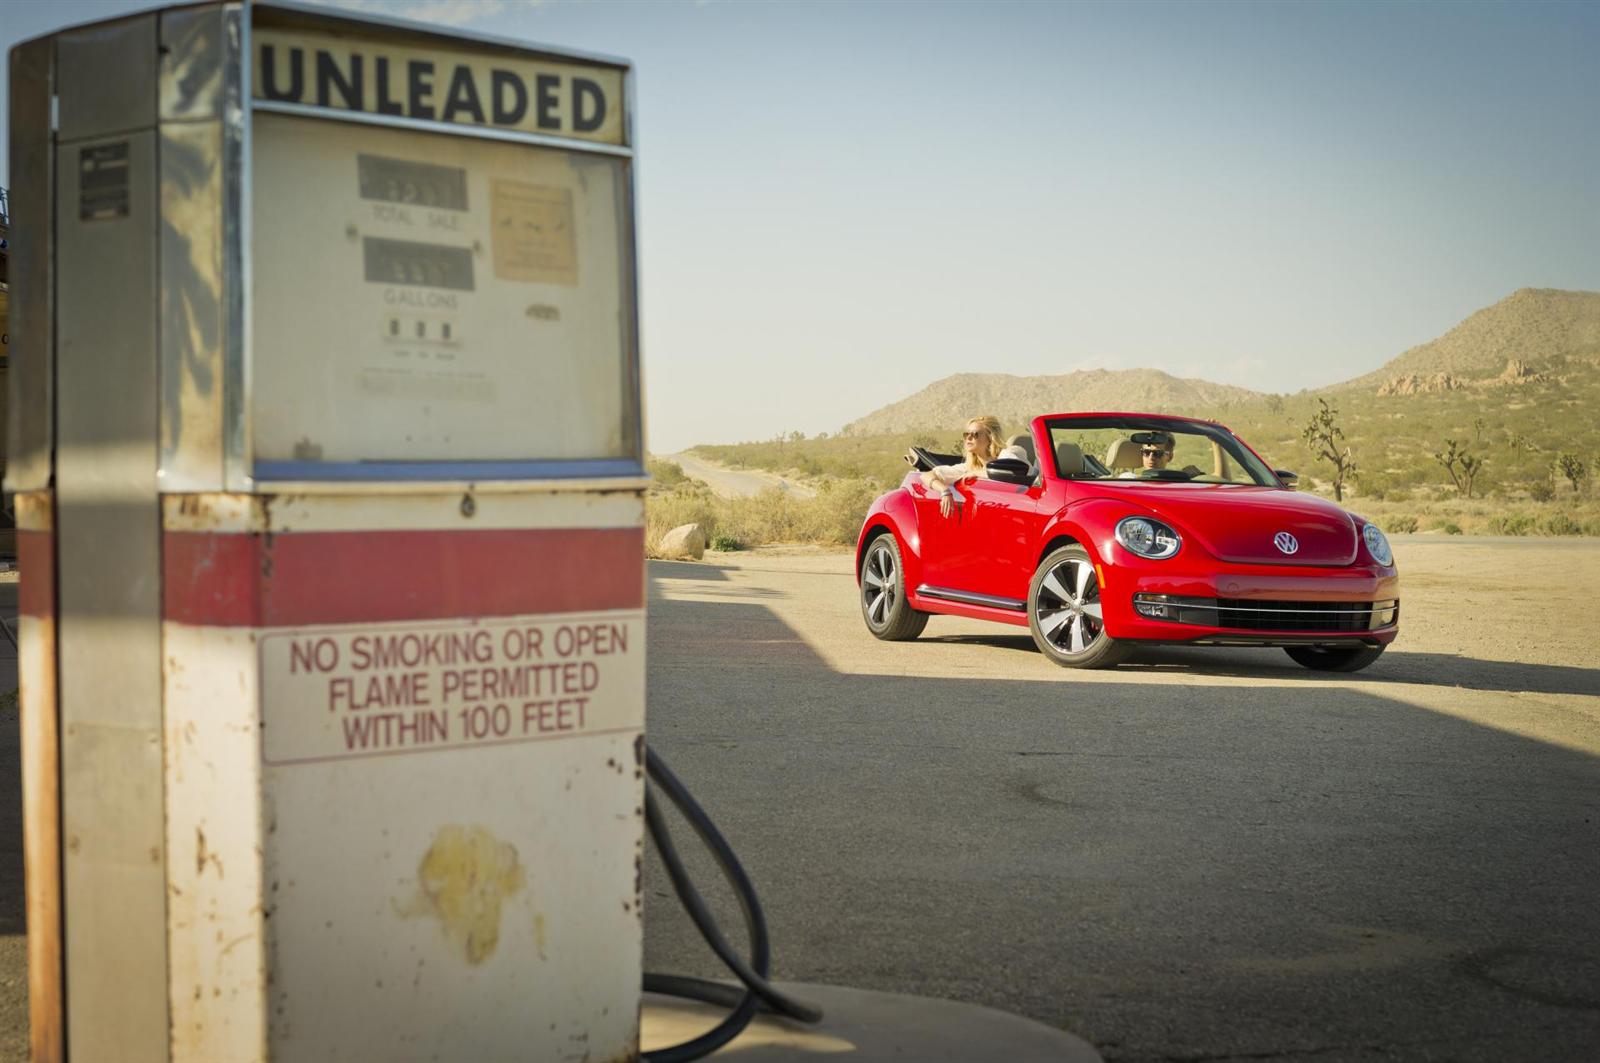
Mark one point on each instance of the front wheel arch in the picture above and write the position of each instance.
(881, 526)
(1057, 542)
(876, 531)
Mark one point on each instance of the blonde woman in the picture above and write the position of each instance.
(980, 444)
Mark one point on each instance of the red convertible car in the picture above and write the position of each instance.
(1118, 529)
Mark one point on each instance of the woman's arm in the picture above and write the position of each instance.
(940, 479)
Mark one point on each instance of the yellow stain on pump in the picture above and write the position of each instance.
(464, 879)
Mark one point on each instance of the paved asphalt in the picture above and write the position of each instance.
(1205, 855)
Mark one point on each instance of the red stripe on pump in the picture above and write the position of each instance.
(36, 568)
(251, 580)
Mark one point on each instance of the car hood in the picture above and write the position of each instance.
(1236, 523)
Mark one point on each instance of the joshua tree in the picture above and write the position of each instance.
(1448, 459)
(1470, 467)
(1573, 468)
(1462, 466)
(1517, 441)
(1324, 436)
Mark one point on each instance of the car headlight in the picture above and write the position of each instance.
(1377, 544)
(1148, 538)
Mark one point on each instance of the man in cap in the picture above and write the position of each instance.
(1155, 450)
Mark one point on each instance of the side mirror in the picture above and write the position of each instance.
(1010, 471)
(1289, 478)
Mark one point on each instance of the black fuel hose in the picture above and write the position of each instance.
(758, 993)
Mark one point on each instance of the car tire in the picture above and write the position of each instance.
(1334, 659)
(884, 607)
(1064, 612)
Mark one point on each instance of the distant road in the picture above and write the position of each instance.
(735, 483)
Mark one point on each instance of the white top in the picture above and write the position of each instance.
(949, 474)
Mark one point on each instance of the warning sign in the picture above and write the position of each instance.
(534, 239)
(103, 176)
(337, 693)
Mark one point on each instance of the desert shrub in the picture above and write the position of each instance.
(665, 473)
(1561, 524)
(1541, 490)
(1449, 527)
(1401, 525)
(665, 510)
(1511, 524)
(1397, 494)
(833, 517)
(1372, 484)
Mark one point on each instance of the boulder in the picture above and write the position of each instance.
(1412, 384)
(684, 541)
(1517, 372)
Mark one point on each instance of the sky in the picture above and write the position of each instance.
(841, 203)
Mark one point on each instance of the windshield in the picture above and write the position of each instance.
(1154, 450)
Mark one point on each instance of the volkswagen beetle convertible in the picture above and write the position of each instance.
(1118, 530)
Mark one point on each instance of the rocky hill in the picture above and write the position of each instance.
(1530, 329)
(1531, 336)
(1015, 399)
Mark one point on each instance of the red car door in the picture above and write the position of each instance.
(940, 535)
(997, 540)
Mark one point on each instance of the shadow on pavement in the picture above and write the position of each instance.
(1397, 665)
(690, 570)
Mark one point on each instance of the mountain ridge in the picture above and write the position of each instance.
(1534, 326)
(1015, 399)
(1529, 332)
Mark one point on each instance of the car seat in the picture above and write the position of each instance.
(1024, 443)
(1069, 459)
(1123, 454)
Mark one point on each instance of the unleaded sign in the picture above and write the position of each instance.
(551, 97)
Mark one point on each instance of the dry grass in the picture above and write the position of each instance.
(1479, 516)
(832, 518)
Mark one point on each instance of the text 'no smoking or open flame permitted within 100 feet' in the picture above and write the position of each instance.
(337, 693)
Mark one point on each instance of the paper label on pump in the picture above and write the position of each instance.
(534, 234)
(336, 693)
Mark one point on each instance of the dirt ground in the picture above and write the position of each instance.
(1507, 599)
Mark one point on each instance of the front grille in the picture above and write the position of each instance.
(1254, 614)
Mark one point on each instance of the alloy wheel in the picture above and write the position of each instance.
(880, 585)
(1067, 607)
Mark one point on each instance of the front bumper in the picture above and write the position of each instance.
(1251, 605)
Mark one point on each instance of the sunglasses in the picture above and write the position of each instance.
(975, 435)
(1154, 453)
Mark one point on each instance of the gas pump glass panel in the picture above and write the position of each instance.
(1130, 529)
(422, 298)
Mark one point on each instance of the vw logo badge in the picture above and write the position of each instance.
(1286, 542)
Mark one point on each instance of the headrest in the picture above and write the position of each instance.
(1123, 454)
(1069, 459)
(1024, 444)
